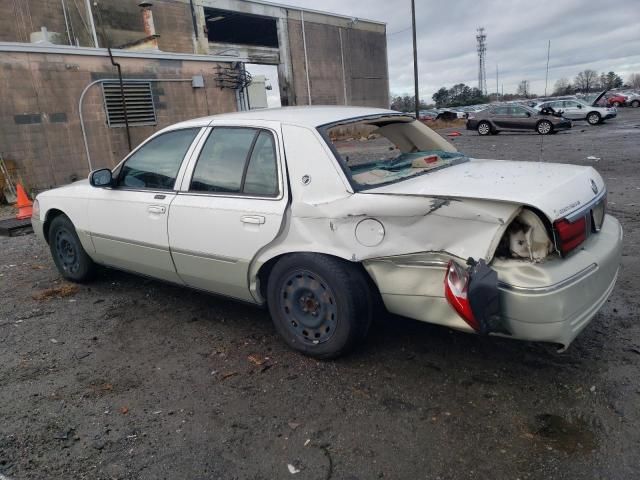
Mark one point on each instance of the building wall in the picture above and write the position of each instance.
(39, 122)
(121, 19)
(364, 55)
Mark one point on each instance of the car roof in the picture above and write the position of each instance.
(308, 116)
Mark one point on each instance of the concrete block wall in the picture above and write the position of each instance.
(365, 65)
(122, 22)
(39, 121)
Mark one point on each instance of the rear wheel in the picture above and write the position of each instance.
(484, 128)
(70, 258)
(544, 127)
(635, 103)
(594, 118)
(320, 305)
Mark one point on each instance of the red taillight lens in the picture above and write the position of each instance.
(456, 286)
(570, 234)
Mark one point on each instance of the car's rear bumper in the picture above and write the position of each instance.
(554, 301)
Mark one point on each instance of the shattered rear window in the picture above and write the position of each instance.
(378, 152)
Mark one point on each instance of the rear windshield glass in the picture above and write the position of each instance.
(378, 152)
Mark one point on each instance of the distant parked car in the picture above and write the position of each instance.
(633, 99)
(515, 118)
(616, 100)
(579, 110)
(428, 114)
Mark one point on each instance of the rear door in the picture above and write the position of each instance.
(128, 222)
(500, 116)
(573, 110)
(231, 204)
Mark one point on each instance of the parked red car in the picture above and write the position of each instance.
(616, 100)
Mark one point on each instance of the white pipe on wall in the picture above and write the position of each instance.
(306, 60)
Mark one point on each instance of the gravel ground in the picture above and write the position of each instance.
(128, 378)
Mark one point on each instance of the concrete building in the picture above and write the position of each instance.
(61, 104)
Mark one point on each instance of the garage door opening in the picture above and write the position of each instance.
(225, 26)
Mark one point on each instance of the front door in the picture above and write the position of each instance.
(573, 110)
(229, 207)
(128, 222)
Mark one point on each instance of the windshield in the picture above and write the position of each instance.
(378, 152)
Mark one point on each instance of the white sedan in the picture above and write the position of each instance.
(321, 212)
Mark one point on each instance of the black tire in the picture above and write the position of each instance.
(635, 103)
(544, 127)
(320, 305)
(594, 118)
(70, 258)
(484, 128)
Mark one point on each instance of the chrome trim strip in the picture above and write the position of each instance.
(422, 264)
(207, 256)
(584, 208)
(130, 242)
(549, 288)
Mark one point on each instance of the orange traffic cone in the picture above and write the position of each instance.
(24, 204)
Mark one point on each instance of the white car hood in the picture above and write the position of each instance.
(555, 189)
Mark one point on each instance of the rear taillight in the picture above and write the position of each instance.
(570, 234)
(456, 288)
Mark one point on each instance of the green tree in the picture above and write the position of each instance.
(441, 97)
(610, 80)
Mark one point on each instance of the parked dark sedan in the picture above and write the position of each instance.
(516, 118)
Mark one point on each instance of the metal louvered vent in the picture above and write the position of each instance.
(139, 101)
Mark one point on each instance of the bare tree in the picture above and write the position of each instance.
(586, 80)
(562, 87)
(523, 88)
(634, 80)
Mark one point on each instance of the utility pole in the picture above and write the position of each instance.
(497, 92)
(415, 59)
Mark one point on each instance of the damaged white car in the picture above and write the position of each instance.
(320, 212)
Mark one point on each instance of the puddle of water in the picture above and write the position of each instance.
(569, 435)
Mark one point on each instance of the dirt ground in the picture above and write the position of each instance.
(127, 378)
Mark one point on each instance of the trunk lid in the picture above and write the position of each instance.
(555, 189)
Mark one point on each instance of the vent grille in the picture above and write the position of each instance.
(139, 101)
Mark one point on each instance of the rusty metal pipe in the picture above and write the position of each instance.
(147, 22)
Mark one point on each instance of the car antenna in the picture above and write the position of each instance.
(546, 81)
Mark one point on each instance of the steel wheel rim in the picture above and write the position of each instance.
(544, 127)
(483, 129)
(66, 251)
(308, 305)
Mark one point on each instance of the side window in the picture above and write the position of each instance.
(237, 160)
(518, 112)
(156, 163)
(262, 173)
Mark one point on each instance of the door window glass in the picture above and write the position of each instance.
(221, 163)
(518, 112)
(262, 174)
(155, 165)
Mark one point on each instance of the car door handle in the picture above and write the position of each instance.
(253, 219)
(157, 209)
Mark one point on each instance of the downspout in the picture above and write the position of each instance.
(117, 65)
(124, 101)
(306, 60)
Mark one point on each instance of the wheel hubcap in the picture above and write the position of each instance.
(309, 307)
(66, 250)
(484, 128)
(544, 127)
(593, 119)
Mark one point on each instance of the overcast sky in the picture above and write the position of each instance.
(592, 34)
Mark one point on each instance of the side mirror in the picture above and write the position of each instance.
(528, 114)
(579, 106)
(101, 178)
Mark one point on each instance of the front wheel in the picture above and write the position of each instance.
(594, 118)
(544, 127)
(484, 128)
(635, 103)
(320, 305)
(70, 258)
